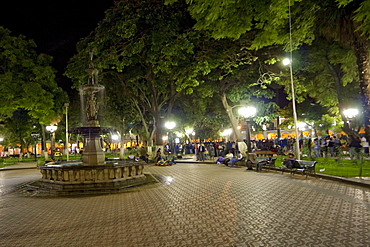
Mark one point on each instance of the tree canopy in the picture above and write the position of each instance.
(27, 80)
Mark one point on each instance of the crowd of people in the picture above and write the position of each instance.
(228, 152)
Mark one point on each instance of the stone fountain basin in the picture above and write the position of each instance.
(75, 176)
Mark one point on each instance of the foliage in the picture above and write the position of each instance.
(267, 19)
(27, 81)
(153, 53)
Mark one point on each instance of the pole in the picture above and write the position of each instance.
(170, 141)
(249, 148)
(67, 141)
(35, 151)
(292, 85)
(52, 145)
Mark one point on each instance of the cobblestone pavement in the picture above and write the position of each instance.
(192, 205)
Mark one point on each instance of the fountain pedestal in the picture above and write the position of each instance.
(93, 153)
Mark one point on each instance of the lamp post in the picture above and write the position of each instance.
(288, 61)
(302, 127)
(226, 133)
(349, 114)
(67, 141)
(35, 136)
(248, 112)
(170, 126)
(52, 130)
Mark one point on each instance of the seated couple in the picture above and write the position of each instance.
(229, 158)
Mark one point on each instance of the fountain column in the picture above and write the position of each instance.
(93, 153)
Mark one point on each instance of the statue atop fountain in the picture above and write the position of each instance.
(89, 91)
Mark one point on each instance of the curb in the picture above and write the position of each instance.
(16, 168)
(317, 175)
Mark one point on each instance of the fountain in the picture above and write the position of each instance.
(94, 173)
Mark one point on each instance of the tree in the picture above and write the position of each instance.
(27, 81)
(151, 52)
(349, 26)
(345, 21)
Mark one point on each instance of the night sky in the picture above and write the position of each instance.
(55, 26)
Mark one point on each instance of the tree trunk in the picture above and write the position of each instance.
(122, 131)
(158, 130)
(232, 118)
(363, 63)
(336, 73)
(43, 142)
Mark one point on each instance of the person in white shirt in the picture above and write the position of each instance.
(365, 145)
(228, 157)
(239, 157)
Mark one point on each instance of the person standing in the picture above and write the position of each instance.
(365, 145)
(144, 154)
(354, 146)
(201, 150)
(317, 147)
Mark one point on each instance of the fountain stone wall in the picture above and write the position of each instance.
(75, 176)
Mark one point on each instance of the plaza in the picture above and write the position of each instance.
(193, 204)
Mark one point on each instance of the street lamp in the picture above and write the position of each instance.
(248, 112)
(301, 126)
(349, 114)
(226, 133)
(288, 61)
(170, 126)
(67, 141)
(52, 130)
(35, 136)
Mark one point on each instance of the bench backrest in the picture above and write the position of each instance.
(304, 163)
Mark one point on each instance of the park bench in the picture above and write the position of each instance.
(240, 162)
(265, 164)
(265, 153)
(305, 167)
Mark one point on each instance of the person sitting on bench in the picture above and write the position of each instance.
(220, 160)
(251, 160)
(289, 162)
(262, 163)
(239, 157)
(228, 157)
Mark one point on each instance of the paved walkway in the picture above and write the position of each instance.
(194, 204)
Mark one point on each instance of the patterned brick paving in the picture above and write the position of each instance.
(193, 205)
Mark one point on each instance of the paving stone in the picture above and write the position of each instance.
(193, 205)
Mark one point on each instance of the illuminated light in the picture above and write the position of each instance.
(247, 112)
(286, 61)
(350, 113)
(227, 132)
(170, 125)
